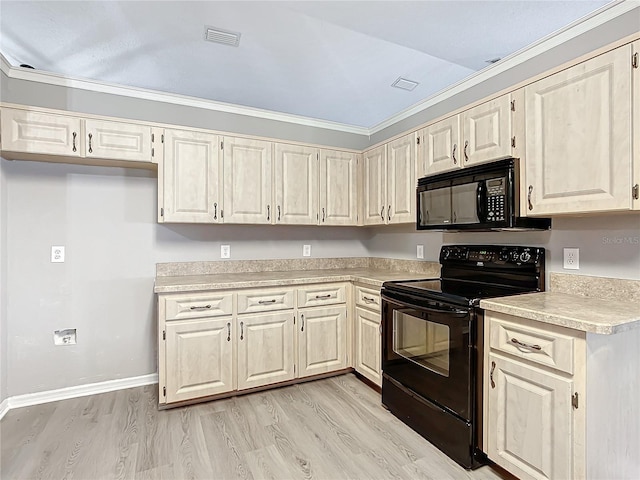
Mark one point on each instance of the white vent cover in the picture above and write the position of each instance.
(405, 84)
(225, 37)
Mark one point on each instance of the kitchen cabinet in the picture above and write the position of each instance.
(560, 403)
(390, 182)
(189, 178)
(480, 134)
(322, 340)
(118, 141)
(578, 143)
(247, 180)
(368, 334)
(635, 137)
(265, 349)
(295, 185)
(338, 188)
(25, 131)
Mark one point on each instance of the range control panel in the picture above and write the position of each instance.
(495, 254)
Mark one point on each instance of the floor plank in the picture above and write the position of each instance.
(334, 428)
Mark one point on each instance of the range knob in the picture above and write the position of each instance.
(504, 255)
(514, 255)
(525, 256)
(446, 253)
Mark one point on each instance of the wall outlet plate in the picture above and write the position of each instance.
(571, 259)
(419, 251)
(225, 251)
(57, 254)
(64, 337)
(306, 250)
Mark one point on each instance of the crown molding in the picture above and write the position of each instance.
(579, 27)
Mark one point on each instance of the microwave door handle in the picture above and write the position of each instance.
(481, 201)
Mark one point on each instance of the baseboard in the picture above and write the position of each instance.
(30, 399)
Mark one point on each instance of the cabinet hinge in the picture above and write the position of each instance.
(221, 145)
(162, 212)
(513, 142)
(635, 192)
(162, 138)
(164, 334)
(294, 368)
(418, 140)
(513, 105)
(294, 319)
(164, 391)
(574, 400)
(152, 151)
(318, 156)
(221, 213)
(153, 136)
(634, 60)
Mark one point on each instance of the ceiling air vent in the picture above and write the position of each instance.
(404, 84)
(225, 37)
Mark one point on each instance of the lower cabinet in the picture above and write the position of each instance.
(197, 358)
(368, 334)
(322, 340)
(265, 349)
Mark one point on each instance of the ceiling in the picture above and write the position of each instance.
(328, 60)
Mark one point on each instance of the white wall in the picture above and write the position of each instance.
(106, 219)
(3, 285)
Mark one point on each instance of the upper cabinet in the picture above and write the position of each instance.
(389, 182)
(338, 188)
(247, 181)
(578, 142)
(118, 140)
(189, 186)
(41, 133)
(478, 135)
(636, 125)
(295, 184)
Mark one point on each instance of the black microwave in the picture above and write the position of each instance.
(484, 197)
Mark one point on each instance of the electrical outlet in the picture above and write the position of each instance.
(571, 259)
(306, 250)
(420, 251)
(64, 337)
(225, 251)
(57, 254)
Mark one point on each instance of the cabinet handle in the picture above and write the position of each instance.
(493, 367)
(322, 297)
(278, 212)
(466, 156)
(453, 154)
(323, 214)
(266, 302)
(389, 212)
(202, 307)
(241, 330)
(382, 213)
(228, 331)
(302, 318)
(380, 328)
(517, 342)
(215, 211)
(529, 197)
(369, 300)
(268, 212)
(90, 148)
(74, 141)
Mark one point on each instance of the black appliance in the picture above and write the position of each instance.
(432, 348)
(485, 197)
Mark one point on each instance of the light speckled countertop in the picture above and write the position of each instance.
(588, 314)
(195, 283)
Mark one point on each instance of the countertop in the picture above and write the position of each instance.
(195, 283)
(588, 314)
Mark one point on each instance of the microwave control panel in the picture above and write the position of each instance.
(496, 199)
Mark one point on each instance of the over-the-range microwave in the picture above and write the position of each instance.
(481, 198)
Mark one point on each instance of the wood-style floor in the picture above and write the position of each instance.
(327, 429)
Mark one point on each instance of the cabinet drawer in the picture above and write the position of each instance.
(545, 345)
(265, 300)
(321, 295)
(368, 298)
(196, 305)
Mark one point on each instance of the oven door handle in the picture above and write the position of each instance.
(417, 304)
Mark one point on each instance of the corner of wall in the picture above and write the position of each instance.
(3, 278)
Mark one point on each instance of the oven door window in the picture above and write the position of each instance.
(422, 342)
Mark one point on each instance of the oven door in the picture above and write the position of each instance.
(428, 349)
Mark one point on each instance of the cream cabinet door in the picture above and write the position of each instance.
(43, 133)
(636, 126)
(118, 141)
(486, 130)
(375, 186)
(401, 180)
(368, 345)
(441, 146)
(530, 420)
(322, 340)
(296, 185)
(199, 358)
(247, 181)
(578, 142)
(338, 188)
(189, 178)
(265, 349)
